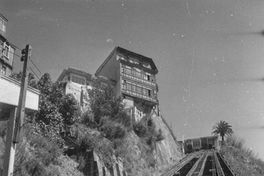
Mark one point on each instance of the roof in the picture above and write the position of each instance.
(2, 16)
(129, 53)
(67, 71)
(208, 137)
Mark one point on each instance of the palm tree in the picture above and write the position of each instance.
(223, 129)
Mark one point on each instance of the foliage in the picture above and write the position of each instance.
(31, 78)
(223, 129)
(107, 113)
(3, 128)
(147, 129)
(113, 130)
(103, 103)
(241, 160)
(56, 110)
(140, 129)
(35, 153)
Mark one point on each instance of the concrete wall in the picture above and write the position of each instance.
(9, 93)
(96, 166)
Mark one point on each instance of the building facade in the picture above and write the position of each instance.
(131, 75)
(208, 142)
(77, 83)
(7, 50)
(134, 76)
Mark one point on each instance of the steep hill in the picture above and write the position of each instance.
(240, 159)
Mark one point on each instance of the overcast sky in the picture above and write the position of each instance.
(209, 53)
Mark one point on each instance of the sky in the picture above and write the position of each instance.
(209, 53)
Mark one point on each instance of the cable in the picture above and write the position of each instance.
(10, 52)
(15, 46)
(35, 66)
(34, 73)
(20, 56)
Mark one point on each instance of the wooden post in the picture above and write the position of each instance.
(10, 146)
(16, 118)
(22, 95)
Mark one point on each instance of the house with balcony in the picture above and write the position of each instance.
(7, 50)
(77, 83)
(134, 79)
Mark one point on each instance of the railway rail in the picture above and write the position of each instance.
(202, 163)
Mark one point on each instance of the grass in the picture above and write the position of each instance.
(241, 160)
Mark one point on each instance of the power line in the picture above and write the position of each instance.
(35, 66)
(10, 52)
(15, 46)
(34, 72)
(20, 56)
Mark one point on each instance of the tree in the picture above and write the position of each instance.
(104, 103)
(223, 129)
(31, 78)
(57, 110)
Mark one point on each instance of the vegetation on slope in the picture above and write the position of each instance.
(60, 128)
(241, 159)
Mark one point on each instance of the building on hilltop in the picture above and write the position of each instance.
(131, 75)
(135, 78)
(208, 142)
(77, 82)
(6, 49)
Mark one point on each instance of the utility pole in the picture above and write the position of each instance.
(16, 118)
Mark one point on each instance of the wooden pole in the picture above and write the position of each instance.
(10, 146)
(16, 118)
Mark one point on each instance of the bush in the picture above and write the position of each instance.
(113, 130)
(241, 159)
(140, 129)
(160, 136)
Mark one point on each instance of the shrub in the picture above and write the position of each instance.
(113, 130)
(160, 136)
(242, 160)
(140, 129)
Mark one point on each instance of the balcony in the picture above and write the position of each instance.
(134, 94)
(135, 114)
(9, 95)
(133, 78)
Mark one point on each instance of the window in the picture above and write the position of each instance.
(144, 91)
(133, 61)
(149, 93)
(128, 70)
(6, 51)
(146, 65)
(120, 57)
(2, 25)
(133, 88)
(145, 77)
(129, 87)
(139, 90)
(3, 70)
(78, 80)
(137, 74)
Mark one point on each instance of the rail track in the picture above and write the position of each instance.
(202, 163)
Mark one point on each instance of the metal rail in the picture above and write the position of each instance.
(182, 163)
(203, 163)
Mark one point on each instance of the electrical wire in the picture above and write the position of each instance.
(20, 57)
(34, 72)
(35, 66)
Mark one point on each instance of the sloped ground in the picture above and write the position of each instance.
(241, 160)
(167, 150)
(144, 159)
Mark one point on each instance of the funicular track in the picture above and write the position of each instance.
(203, 163)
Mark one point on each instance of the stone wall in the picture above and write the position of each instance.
(96, 167)
(167, 150)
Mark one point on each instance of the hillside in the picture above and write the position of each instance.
(62, 139)
(241, 160)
